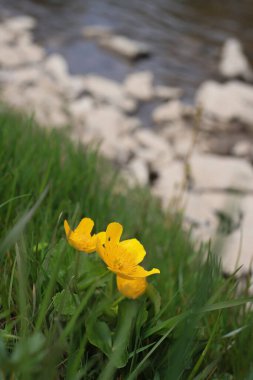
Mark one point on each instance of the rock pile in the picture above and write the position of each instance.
(196, 157)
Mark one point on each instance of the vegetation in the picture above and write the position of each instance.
(61, 315)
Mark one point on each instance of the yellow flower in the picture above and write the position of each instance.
(123, 258)
(81, 238)
(132, 288)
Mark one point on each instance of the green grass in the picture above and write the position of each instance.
(61, 316)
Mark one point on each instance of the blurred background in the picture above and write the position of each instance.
(164, 88)
(185, 37)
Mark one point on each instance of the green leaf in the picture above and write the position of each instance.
(65, 302)
(207, 371)
(31, 347)
(99, 335)
(126, 317)
(226, 304)
(141, 318)
(133, 375)
(16, 231)
(3, 353)
(128, 310)
(165, 325)
(154, 297)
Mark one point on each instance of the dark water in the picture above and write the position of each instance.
(185, 36)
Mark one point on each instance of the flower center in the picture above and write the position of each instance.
(117, 264)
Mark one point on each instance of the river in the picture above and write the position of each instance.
(185, 36)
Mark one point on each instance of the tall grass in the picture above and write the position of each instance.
(61, 316)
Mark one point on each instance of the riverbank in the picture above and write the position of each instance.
(197, 157)
(62, 315)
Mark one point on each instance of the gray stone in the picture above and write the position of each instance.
(57, 68)
(19, 24)
(170, 185)
(167, 93)
(25, 76)
(76, 87)
(139, 85)
(234, 63)
(125, 47)
(211, 172)
(152, 148)
(243, 148)
(106, 122)
(212, 213)
(225, 103)
(199, 216)
(151, 140)
(96, 32)
(109, 91)
(168, 112)
(175, 131)
(20, 55)
(183, 147)
(80, 108)
(236, 249)
(5, 36)
(138, 172)
(118, 153)
(39, 99)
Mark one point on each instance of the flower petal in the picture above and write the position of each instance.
(85, 226)
(67, 229)
(137, 272)
(101, 237)
(135, 250)
(81, 238)
(113, 232)
(131, 288)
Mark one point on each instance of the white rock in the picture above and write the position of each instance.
(151, 140)
(237, 247)
(75, 87)
(234, 63)
(168, 112)
(152, 149)
(139, 85)
(20, 23)
(125, 47)
(5, 36)
(106, 122)
(44, 105)
(199, 216)
(110, 147)
(170, 184)
(115, 151)
(175, 131)
(243, 148)
(80, 107)
(167, 93)
(109, 91)
(183, 147)
(20, 55)
(147, 155)
(138, 172)
(206, 214)
(25, 76)
(56, 67)
(225, 103)
(226, 203)
(96, 31)
(211, 172)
